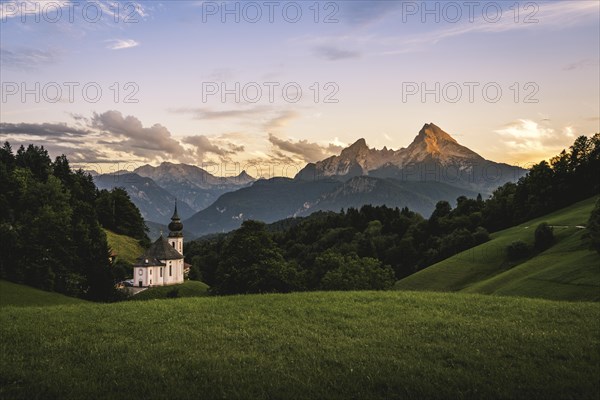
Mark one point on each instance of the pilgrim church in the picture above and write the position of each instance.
(162, 264)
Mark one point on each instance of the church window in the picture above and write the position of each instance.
(140, 272)
(161, 272)
(150, 271)
(170, 271)
(173, 244)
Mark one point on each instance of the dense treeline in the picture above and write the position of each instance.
(368, 248)
(372, 247)
(569, 177)
(49, 228)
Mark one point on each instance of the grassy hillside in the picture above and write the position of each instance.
(566, 271)
(127, 248)
(336, 345)
(15, 295)
(187, 289)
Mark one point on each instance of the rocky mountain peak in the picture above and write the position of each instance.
(432, 135)
(432, 141)
(357, 147)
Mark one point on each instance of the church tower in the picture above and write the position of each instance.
(176, 232)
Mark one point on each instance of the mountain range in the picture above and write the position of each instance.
(154, 189)
(433, 156)
(433, 167)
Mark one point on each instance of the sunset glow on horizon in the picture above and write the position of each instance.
(218, 83)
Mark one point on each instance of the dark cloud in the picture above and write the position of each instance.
(203, 145)
(75, 150)
(153, 142)
(43, 130)
(332, 53)
(235, 148)
(309, 152)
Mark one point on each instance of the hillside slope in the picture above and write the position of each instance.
(566, 271)
(127, 248)
(14, 295)
(350, 345)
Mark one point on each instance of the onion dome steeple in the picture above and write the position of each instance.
(175, 227)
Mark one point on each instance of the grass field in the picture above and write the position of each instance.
(127, 248)
(15, 295)
(566, 271)
(187, 289)
(336, 345)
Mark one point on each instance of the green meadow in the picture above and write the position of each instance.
(127, 248)
(473, 326)
(333, 345)
(568, 270)
(14, 295)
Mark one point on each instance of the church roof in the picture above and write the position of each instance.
(142, 261)
(161, 250)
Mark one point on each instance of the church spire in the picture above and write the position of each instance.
(175, 215)
(175, 227)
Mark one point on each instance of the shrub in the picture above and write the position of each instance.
(173, 294)
(544, 236)
(593, 228)
(517, 250)
(481, 235)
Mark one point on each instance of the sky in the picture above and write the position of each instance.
(226, 85)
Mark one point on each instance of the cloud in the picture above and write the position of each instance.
(266, 117)
(280, 120)
(27, 58)
(365, 12)
(553, 15)
(23, 8)
(309, 152)
(153, 142)
(209, 114)
(332, 53)
(203, 146)
(548, 16)
(119, 44)
(111, 137)
(582, 64)
(527, 138)
(42, 130)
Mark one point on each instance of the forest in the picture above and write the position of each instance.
(51, 221)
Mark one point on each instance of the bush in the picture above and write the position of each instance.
(173, 294)
(481, 235)
(517, 250)
(544, 236)
(356, 273)
(593, 228)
